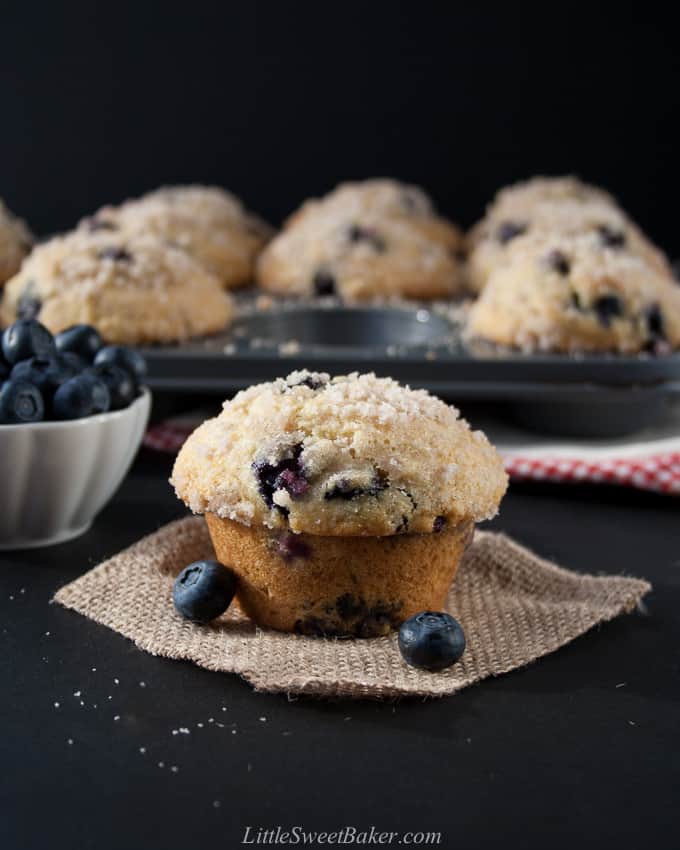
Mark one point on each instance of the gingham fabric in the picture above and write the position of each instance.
(659, 472)
(650, 465)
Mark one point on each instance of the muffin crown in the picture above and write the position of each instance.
(351, 455)
(133, 288)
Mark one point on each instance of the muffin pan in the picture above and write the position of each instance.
(585, 395)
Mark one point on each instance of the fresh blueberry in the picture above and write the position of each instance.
(431, 641)
(5, 368)
(203, 591)
(73, 361)
(125, 358)
(20, 402)
(120, 383)
(81, 396)
(47, 374)
(83, 340)
(27, 338)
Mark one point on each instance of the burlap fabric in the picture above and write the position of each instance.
(514, 606)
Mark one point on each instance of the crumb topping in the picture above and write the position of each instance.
(350, 455)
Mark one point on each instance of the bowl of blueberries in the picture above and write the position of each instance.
(73, 412)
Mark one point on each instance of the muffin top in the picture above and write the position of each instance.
(354, 455)
(605, 225)
(578, 293)
(15, 242)
(131, 288)
(209, 223)
(521, 198)
(365, 240)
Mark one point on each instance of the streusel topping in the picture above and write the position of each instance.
(351, 455)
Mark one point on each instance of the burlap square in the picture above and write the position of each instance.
(514, 606)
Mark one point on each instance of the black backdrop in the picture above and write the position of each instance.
(279, 101)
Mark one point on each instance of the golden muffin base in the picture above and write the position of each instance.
(338, 586)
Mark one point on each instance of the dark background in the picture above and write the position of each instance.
(279, 101)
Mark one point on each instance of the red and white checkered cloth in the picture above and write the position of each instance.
(652, 463)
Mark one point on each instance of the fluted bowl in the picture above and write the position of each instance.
(55, 477)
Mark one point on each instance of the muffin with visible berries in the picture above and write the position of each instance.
(559, 206)
(378, 238)
(344, 505)
(15, 243)
(571, 293)
(207, 222)
(132, 289)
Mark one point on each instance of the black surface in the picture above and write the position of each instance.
(280, 101)
(552, 756)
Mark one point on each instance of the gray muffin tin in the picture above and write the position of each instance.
(588, 395)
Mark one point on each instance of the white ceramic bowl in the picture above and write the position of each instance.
(55, 477)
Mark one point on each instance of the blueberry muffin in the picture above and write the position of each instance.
(577, 293)
(560, 205)
(134, 290)
(343, 504)
(15, 243)
(365, 240)
(208, 223)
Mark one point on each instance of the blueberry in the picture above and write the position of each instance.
(4, 368)
(431, 641)
(607, 307)
(324, 283)
(116, 254)
(81, 396)
(47, 374)
(203, 591)
(73, 361)
(83, 340)
(313, 381)
(288, 474)
(655, 323)
(26, 338)
(125, 358)
(347, 490)
(508, 230)
(121, 385)
(357, 233)
(439, 524)
(290, 546)
(610, 237)
(558, 262)
(95, 224)
(20, 402)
